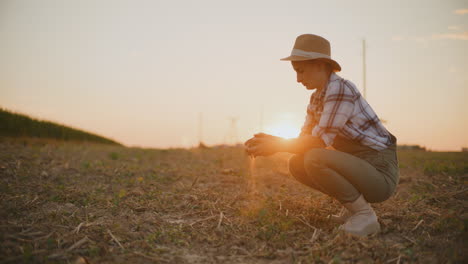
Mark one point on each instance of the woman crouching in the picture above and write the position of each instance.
(343, 150)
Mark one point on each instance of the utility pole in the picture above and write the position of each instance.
(364, 68)
(364, 81)
(232, 133)
(200, 128)
(261, 119)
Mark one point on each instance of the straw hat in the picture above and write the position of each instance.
(311, 47)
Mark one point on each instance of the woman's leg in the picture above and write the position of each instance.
(296, 168)
(350, 180)
(340, 175)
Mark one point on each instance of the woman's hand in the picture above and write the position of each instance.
(264, 145)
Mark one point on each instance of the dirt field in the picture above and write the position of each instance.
(87, 203)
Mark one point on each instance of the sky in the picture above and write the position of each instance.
(162, 74)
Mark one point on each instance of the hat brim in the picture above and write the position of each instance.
(333, 63)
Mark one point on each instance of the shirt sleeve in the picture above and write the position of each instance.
(338, 107)
(307, 126)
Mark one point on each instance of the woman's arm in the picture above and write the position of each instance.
(265, 145)
(301, 144)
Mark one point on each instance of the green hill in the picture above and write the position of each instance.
(19, 125)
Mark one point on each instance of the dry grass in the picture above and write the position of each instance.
(85, 203)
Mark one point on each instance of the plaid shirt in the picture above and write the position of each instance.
(339, 109)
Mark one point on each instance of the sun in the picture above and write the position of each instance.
(283, 129)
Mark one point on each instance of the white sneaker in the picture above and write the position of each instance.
(363, 220)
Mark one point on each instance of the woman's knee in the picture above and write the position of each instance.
(313, 160)
(296, 166)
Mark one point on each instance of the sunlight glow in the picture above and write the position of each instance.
(284, 129)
